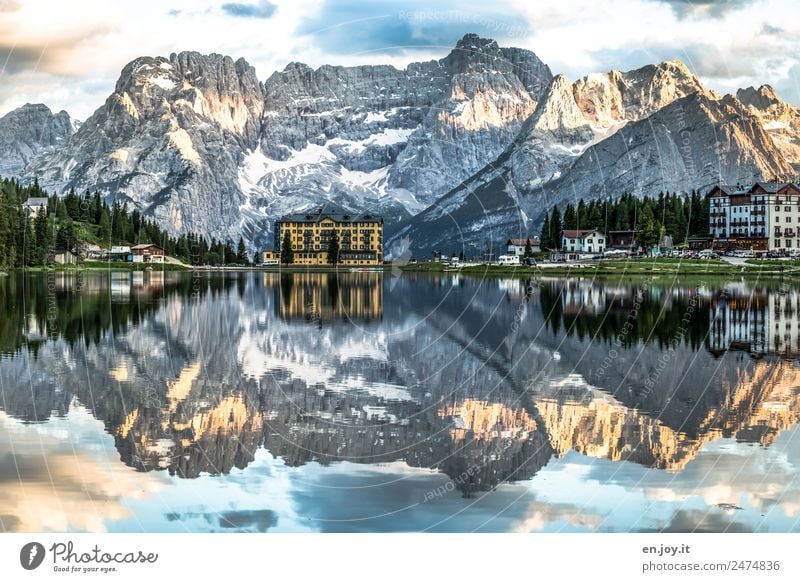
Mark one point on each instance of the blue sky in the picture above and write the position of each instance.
(68, 55)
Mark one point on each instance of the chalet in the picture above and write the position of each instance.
(516, 246)
(147, 253)
(583, 241)
(33, 206)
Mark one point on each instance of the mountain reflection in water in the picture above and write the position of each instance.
(485, 382)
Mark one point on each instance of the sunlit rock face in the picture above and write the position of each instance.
(645, 131)
(199, 143)
(168, 140)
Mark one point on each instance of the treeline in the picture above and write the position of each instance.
(72, 222)
(677, 215)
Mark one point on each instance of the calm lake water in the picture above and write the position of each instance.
(366, 402)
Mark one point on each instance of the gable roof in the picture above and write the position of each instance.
(146, 246)
(578, 233)
(35, 202)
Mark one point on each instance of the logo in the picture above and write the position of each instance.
(31, 555)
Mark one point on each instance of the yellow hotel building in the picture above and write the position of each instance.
(360, 238)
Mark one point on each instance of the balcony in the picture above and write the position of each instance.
(788, 233)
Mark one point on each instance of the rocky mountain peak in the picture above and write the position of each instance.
(472, 53)
(762, 98)
(30, 131)
(558, 109)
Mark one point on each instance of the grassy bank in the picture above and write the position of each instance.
(683, 269)
(106, 266)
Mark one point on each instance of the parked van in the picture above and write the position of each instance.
(508, 260)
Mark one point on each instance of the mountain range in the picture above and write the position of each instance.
(462, 151)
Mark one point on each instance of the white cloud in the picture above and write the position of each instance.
(68, 55)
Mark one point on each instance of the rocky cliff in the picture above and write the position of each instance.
(650, 130)
(28, 132)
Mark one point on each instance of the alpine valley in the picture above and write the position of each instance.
(474, 147)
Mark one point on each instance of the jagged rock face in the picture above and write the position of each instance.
(28, 132)
(780, 120)
(169, 140)
(385, 139)
(571, 117)
(198, 143)
(609, 134)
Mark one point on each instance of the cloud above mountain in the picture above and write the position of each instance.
(68, 55)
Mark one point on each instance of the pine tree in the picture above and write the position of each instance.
(104, 226)
(544, 234)
(333, 249)
(570, 218)
(287, 255)
(241, 252)
(528, 249)
(65, 237)
(555, 228)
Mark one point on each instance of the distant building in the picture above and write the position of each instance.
(33, 206)
(120, 253)
(583, 241)
(360, 237)
(93, 252)
(698, 243)
(623, 240)
(64, 257)
(270, 258)
(765, 216)
(516, 246)
(147, 253)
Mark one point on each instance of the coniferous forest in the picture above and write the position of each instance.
(74, 221)
(651, 217)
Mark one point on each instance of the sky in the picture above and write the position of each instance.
(68, 55)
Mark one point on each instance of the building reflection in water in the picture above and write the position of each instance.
(327, 296)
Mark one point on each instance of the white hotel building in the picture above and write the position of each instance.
(763, 217)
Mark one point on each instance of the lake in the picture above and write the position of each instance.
(355, 402)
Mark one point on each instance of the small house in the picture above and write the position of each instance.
(147, 253)
(271, 257)
(516, 246)
(583, 241)
(33, 206)
(120, 253)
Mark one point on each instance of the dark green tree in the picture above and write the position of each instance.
(545, 239)
(241, 252)
(333, 249)
(555, 228)
(287, 254)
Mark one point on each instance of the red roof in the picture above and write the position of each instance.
(577, 233)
